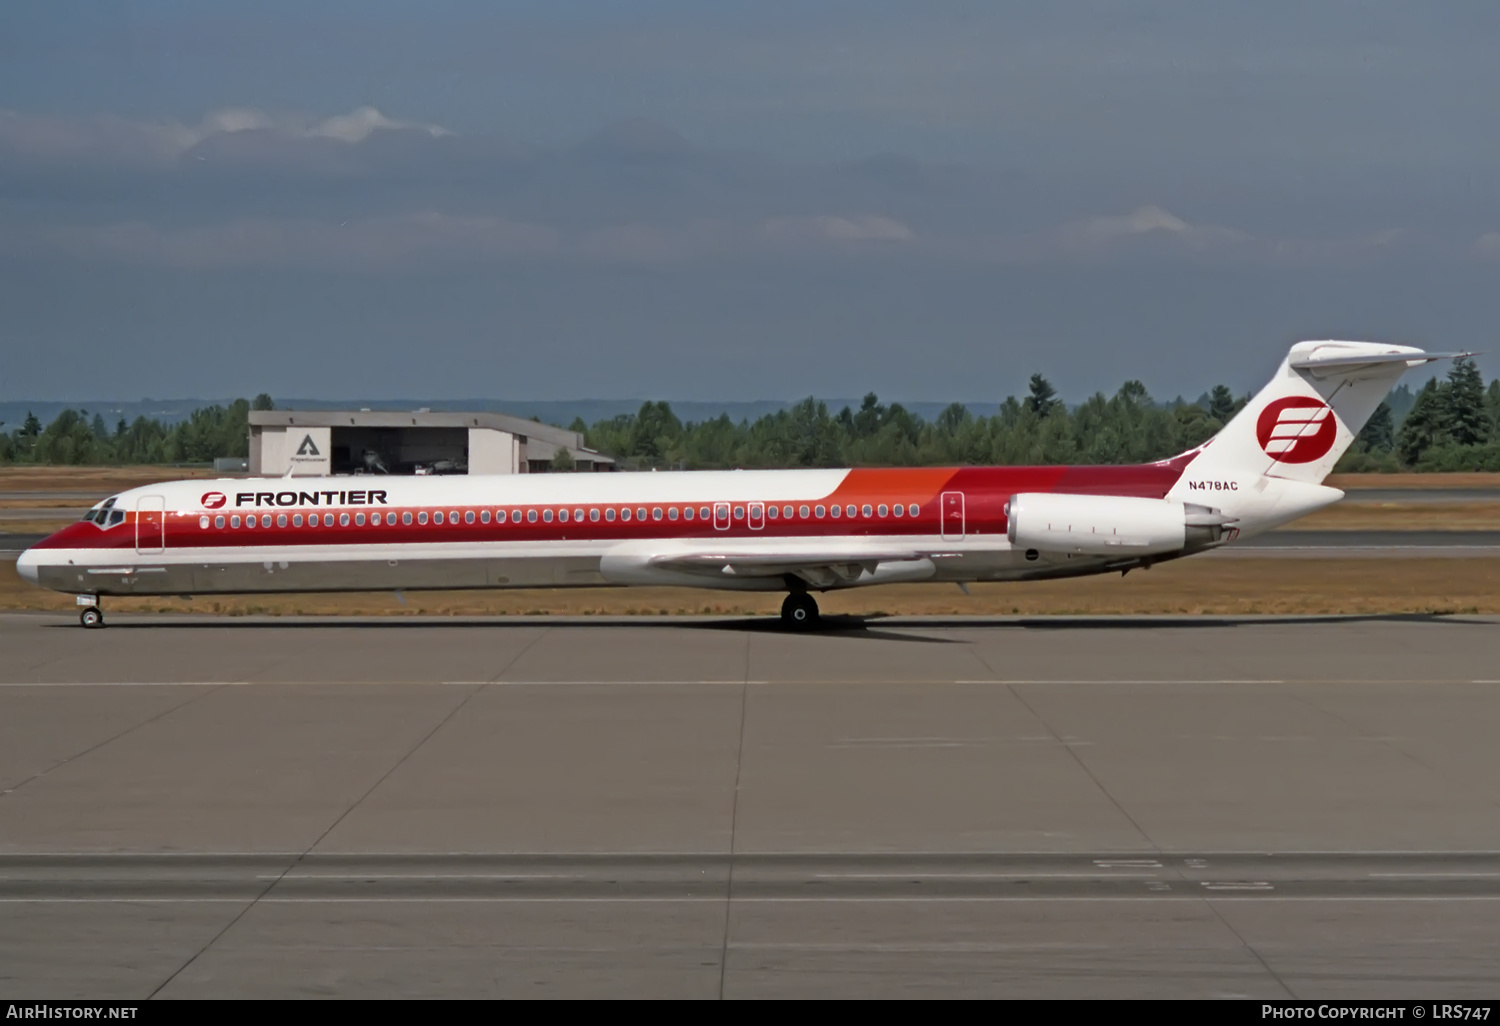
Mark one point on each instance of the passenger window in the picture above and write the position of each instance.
(687, 512)
(772, 512)
(406, 519)
(453, 517)
(884, 509)
(739, 512)
(850, 510)
(422, 517)
(702, 512)
(234, 521)
(912, 509)
(281, 520)
(609, 514)
(359, 520)
(484, 516)
(786, 511)
(375, 519)
(818, 512)
(296, 519)
(672, 513)
(344, 519)
(203, 523)
(562, 515)
(625, 513)
(835, 511)
(469, 516)
(578, 514)
(640, 513)
(594, 513)
(218, 521)
(898, 509)
(437, 518)
(802, 512)
(531, 516)
(515, 516)
(865, 511)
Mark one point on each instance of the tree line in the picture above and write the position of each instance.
(1451, 423)
(75, 438)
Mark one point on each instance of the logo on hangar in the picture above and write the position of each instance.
(214, 500)
(1297, 429)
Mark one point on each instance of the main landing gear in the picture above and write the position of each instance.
(800, 611)
(91, 615)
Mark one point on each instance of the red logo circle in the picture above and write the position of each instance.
(213, 500)
(1297, 429)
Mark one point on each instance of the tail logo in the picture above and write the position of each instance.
(1297, 429)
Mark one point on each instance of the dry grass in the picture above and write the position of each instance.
(1216, 586)
(1403, 516)
(1350, 482)
(104, 480)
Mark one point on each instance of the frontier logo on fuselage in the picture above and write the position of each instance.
(214, 500)
(1297, 429)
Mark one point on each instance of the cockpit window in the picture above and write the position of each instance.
(104, 514)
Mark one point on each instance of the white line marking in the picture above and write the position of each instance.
(425, 876)
(1425, 876)
(982, 876)
(905, 899)
(131, 684)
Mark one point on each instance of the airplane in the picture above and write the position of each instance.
(798, 531)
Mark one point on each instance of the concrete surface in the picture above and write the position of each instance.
(654, 807)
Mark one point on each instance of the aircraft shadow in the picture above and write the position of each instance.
(870, 627)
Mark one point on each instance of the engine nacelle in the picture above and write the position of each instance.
(1109, 525)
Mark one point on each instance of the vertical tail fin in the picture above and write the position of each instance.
(1299, 425)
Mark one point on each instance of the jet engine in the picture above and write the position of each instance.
(1110, 525)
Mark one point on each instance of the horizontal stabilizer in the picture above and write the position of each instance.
(1338, 363)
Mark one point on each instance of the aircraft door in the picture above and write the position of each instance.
(721, 516)
(757, 513)
(150, 524)
(952, 506)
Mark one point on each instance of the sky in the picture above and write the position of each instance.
(735, 200)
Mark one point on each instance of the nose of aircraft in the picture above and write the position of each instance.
(26, 564)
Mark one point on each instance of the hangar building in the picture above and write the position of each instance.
(322, 442)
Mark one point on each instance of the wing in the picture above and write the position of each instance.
(819, 569)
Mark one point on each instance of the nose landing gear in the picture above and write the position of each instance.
(800, 611)
(91, 616)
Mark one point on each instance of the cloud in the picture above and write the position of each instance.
(1145, 224)
(1487, 246)
(823, 229)
(380, 243)
(113, 140)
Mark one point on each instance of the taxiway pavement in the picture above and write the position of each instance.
(1105, 807)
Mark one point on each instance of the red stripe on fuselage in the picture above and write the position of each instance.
(986, 491)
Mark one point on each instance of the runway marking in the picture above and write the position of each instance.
(985, 876)
(1109, 680)
(426, 876)
(131, 684)
(725, 683)
(1127, 863)
(829, 899)
(1425, 876)
(1247, 885)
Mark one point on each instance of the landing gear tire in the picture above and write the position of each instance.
(91, 617)
(800, 611)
